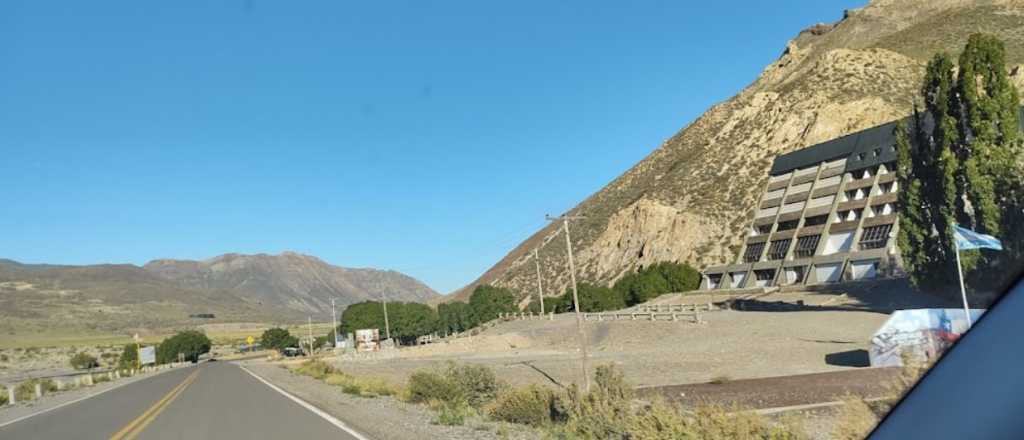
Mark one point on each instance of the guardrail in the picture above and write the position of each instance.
(72, 380)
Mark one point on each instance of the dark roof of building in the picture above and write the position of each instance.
(864, 141)
(861, 141)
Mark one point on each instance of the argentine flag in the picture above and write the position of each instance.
(968, 239)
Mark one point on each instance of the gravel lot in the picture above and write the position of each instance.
(732, 344)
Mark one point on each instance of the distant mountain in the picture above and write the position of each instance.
(299, 282)
(163, 293)
(37, 299)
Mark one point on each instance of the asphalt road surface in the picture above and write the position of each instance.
(211, 401)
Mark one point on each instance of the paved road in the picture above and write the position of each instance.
(210, 401)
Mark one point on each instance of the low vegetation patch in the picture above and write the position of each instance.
(349, 384)
(532, 405)
(27, 389)
(3, 395)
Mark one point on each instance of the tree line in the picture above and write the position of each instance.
(409, 321)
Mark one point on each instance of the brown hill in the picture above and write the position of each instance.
(690, 199)
(298, 282)
(164, 293)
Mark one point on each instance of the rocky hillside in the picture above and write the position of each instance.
(299, 282)
(690, 199)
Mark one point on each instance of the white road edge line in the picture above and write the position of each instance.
(308, 406)
(90, 396)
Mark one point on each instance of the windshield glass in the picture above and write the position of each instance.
(528, 220)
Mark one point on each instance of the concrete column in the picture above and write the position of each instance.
(39, 390)
(60, 384)
(10, 395)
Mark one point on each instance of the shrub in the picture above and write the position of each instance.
(83, 361)
(425, 386)
(316, 369)
(476, 383)
(3, 395)
(101, 378)
(854, 420)
(530, 405)
(608, 411)
(454, 414)
(721, 379)
(27, 390)
(129, 359)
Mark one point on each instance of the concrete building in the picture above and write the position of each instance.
(827, 214)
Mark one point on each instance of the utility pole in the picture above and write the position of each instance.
(310, 329)
(575, 296)
(334, 322)
(540, 287)
(387, 326)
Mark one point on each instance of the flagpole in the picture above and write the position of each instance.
(960, 272)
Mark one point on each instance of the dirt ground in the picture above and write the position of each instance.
(831, 334)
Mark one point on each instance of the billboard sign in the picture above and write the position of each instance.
(147, 355)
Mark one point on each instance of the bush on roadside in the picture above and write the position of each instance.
(454, 414)
(315, 368)
(530, 405)
(357, 386)
(3, 395)
(425, 386)
(27, 389)
(477, 383)
(609, 411)
(84, 361)
(855, 419)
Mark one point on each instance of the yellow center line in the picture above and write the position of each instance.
(135, 427)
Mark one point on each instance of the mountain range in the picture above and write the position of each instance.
(692, 197)
(164, 293)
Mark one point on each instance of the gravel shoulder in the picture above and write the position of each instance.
(380, 418)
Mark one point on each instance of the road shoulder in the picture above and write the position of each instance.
(379, 418)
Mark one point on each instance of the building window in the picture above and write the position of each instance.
(887, 187)
(805, 246)
(785, 226)
(778, 249)
(860, 156)
(816, 220)
(876, 152)
(875, 237)
(763, 229)
(764, 275)
(753, 252)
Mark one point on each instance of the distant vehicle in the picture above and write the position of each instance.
(212, 360)
(292, 352)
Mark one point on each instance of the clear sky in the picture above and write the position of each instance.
(429, 137)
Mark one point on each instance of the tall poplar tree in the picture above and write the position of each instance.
(958, 163)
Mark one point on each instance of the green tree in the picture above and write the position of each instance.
(958, 163)
(595, 298)
(488, 302)
(278, 339)
(456, 316)
(190, 344)
(407, 320)
(129, 358)
(680, 277)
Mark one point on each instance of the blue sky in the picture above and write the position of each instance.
(429, 137)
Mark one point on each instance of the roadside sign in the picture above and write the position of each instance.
(147, 355)
(249, 340)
